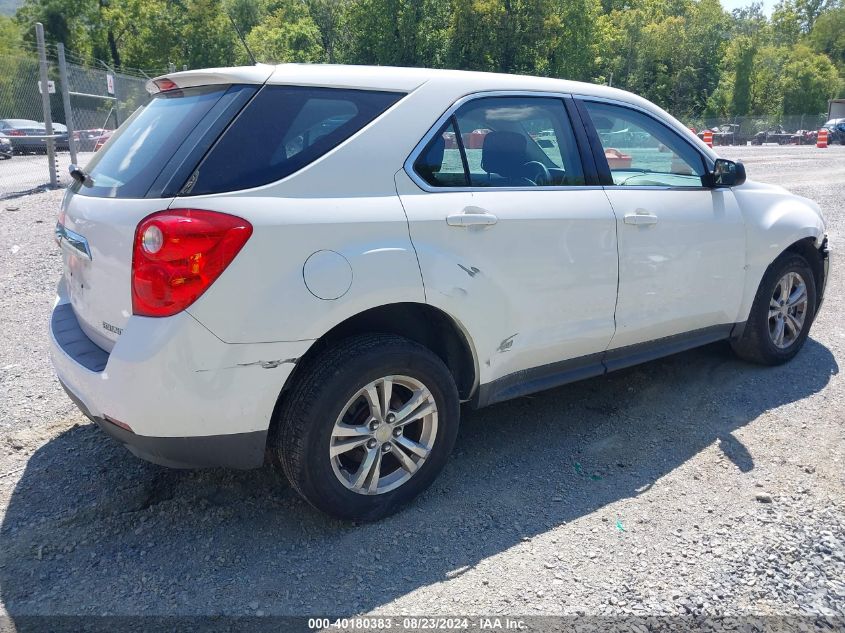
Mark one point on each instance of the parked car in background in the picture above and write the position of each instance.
(5, 147)
(835, 131)
(103, 139)
(29, 137)
(318, 264)
(725, 134)
(804, 137)
(61, 136)
(86, 140)
(777, 134)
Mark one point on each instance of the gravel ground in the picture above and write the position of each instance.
(696, 484)
(31, 173)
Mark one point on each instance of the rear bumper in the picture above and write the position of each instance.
(185, 398)
(236, 450)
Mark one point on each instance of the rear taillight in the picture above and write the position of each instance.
(178, 254)
(15, 133)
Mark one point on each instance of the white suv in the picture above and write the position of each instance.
(317, 265)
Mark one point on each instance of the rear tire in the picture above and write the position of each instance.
(780, 319)
(398, 447)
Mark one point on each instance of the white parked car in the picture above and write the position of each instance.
(319, 264)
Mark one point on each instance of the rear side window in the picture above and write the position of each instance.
(283, 129)
(135, 155)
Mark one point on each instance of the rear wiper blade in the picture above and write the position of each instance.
(80, 176)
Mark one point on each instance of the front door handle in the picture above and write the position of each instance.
(640, 217)
(472, 216)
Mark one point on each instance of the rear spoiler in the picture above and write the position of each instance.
(257, 74)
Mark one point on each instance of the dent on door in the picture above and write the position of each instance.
(533, 288)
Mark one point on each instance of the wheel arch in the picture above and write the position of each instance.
(809, 249)
(810, 245)
(419, 322)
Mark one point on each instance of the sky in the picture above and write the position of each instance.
(730, 5)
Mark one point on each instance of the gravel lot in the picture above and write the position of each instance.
(29, 173)
(692, 485)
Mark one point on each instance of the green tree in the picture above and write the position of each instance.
(64, 21)
(397, 32)
(749, 20)
(330, 16)
(287, 34)
(512, 36)
(10, 35)
(828, 37)
(207, 37)
(808, 81)
(572, 31)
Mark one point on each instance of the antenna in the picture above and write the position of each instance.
(241, 37)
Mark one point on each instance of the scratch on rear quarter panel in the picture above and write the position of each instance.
(264, 364)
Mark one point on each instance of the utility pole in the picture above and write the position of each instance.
(66, 100)
(45, 104)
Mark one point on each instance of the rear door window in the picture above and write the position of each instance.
(283, 129)
(441, 163)
(504, 142)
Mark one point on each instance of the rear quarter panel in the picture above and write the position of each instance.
(262, 296)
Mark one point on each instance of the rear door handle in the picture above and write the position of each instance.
(641, 217)
(472, 216)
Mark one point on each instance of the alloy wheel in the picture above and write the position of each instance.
(383, 435)
(787, 310)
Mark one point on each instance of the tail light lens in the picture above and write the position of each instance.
(15, 133)
(178, 254)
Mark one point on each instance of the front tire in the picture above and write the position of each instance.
(368, 425)
(782, 313)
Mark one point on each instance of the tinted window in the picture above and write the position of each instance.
(139, 150)
(515, 142)
(283, 129)
(640, 151)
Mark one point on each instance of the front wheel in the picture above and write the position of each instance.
(368, 425)
(782, 313)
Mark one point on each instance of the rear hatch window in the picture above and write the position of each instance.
(213, 139)
(136, 154)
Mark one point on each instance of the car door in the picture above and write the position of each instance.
(681, 244)
(512, 241)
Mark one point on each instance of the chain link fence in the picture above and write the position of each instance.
(85, 109)
(23, 144)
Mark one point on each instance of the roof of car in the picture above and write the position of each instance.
(389, 78)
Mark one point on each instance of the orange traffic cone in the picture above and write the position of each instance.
(821, 139)
(707, 137)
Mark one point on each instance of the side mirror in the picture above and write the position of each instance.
(727, 173)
